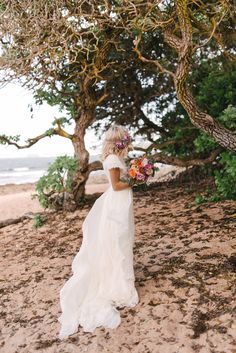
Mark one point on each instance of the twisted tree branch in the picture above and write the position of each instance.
(31, 141)
(158, 157)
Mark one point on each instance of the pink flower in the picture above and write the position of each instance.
(149, 166)
(140, 177)
(144, 162)
(120, 145)
(127, 138)
(149, 171)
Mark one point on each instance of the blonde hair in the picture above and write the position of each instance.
(114, 134)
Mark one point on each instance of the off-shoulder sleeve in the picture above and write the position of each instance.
(112, 161)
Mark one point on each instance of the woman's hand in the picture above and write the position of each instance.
(116, 183)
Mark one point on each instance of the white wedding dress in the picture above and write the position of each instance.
(103, 275)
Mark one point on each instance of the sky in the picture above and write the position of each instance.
(15, 119)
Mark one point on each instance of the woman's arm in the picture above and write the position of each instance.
(115, 180)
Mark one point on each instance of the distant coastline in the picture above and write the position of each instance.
(24, 170)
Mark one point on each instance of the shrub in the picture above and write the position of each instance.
(225, 178)
(224, 169)
(38, 221)
(52, 187)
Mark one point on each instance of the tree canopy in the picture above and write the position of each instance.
(164, 69)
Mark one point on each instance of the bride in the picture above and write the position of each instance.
(103, 275)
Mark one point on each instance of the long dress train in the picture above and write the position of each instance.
(103, 275)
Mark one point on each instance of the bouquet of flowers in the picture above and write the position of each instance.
(140, 169)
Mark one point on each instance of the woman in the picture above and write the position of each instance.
(103, 275)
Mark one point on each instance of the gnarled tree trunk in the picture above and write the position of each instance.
(81, 153)
(204, 121)
(87, 104)
(185, 50)
(185, 45)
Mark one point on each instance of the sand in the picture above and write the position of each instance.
(16, 199)
(184, 262)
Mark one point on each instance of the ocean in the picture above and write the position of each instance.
(25, 170)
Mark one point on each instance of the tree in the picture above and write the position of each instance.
(187, 27)
(81, 55)
(65, 53)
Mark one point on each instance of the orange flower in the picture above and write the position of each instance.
(139, 162)
(142, 170)
(132, 173)
(136, 162)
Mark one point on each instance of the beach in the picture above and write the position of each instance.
(184, 262)
(15, 200)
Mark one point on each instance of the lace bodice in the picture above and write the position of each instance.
(113, 161)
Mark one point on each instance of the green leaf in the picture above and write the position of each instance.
(57, 180)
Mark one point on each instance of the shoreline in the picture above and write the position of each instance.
(15, 199)
(168, 171)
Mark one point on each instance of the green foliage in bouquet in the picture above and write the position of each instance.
(51, 187)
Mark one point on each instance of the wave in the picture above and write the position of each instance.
(20, 172)
(21, 177)
(18, 169)
(26, 170)
(21, 169)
